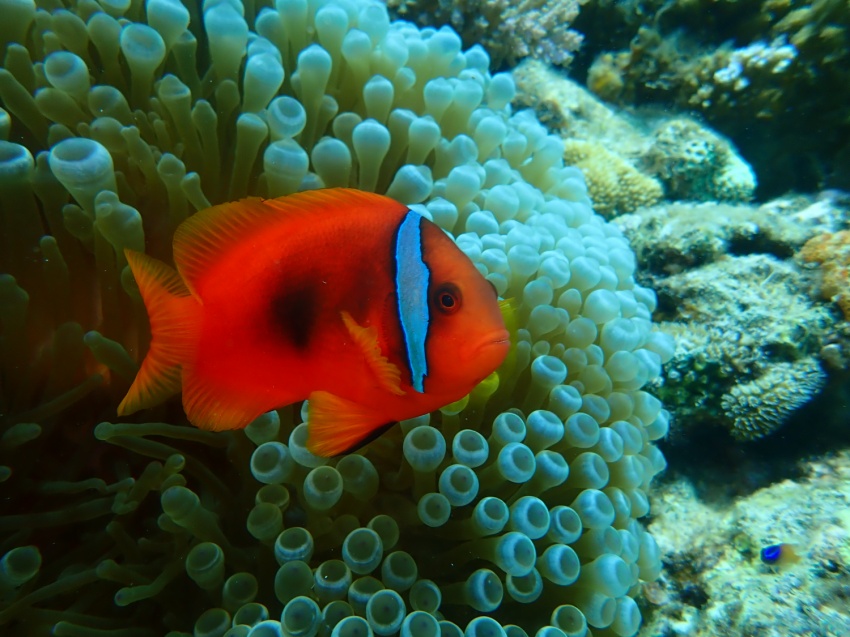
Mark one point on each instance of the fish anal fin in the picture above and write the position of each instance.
(175, 323)
(388, 375)
(336, 425)
(201, 240)
(214, 408)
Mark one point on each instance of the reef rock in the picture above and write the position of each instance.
(714, 582)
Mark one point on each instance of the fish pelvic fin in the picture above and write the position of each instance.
(388, 375)
(175, 317)
(337, 425)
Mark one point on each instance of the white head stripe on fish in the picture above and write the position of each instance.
(411, 283)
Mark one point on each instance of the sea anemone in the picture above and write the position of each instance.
(514, 509)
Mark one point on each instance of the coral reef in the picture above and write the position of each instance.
(632, 160)
(749, 339)
(509, 31)
(780, 64)
(125, 120)
(714, 582)
(674, 237)
(744, 328)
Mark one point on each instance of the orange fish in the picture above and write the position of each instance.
(346, 298)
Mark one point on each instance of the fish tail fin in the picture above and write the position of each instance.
(174, 316)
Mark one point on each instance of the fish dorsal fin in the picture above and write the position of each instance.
(336, 425)
(205, 236)
(389, 376)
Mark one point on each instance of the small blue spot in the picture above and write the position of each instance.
(771, 554)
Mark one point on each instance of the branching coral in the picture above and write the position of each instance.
(781, 64)
(127, 118)
(509, 31)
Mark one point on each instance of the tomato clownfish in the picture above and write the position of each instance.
(346, 298)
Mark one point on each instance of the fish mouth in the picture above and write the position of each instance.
(490, 352)
(498, 337)
(502, 336)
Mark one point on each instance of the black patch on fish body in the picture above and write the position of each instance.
(293, 313)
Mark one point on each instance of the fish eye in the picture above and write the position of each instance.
(447, 298)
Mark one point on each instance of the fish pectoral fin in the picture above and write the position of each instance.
(336, 425)
(388, 375)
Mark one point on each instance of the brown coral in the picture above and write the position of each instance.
(606, 76)
(832, 252)
(614, 185)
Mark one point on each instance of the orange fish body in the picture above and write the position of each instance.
(345, 298)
